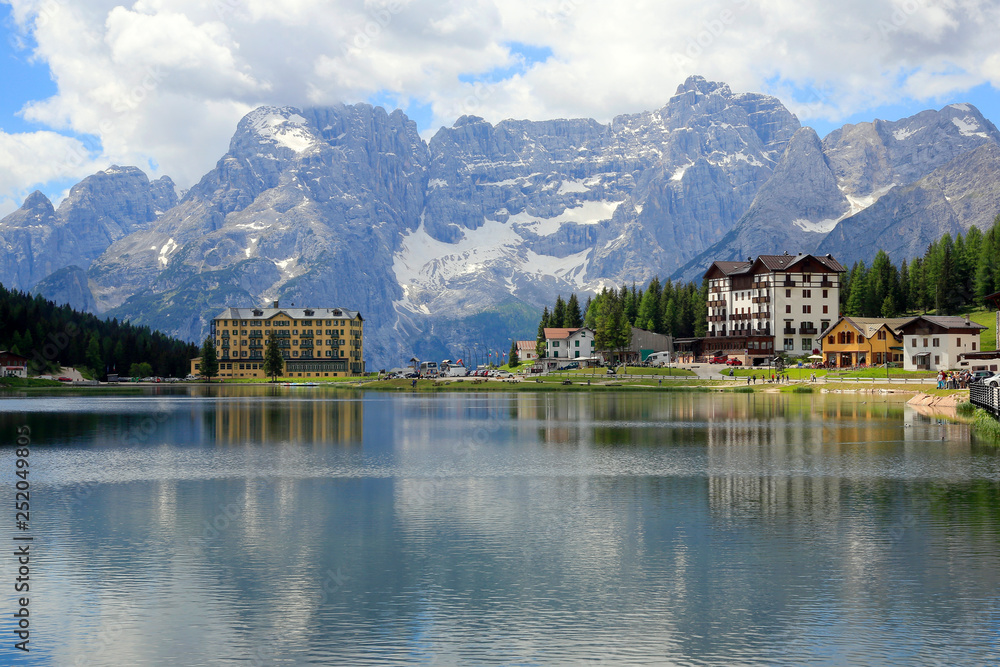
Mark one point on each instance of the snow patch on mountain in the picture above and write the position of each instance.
(968, 127)
(288, 131)
(165, 251)
(587, 213)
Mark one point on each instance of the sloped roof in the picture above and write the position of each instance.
(949, 322)
(13, 354)
(526, 345)
(784, 262)
(559, 333)
(775, 263)
(294, 313)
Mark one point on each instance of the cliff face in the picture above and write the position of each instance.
(460, 241)
(37, 240)
(870, 186)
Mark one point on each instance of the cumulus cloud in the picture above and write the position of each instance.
(162, 84)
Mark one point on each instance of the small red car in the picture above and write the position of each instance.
(734, 362)
(717, 360)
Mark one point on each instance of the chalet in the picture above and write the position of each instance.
(860, 341)
(12, 364)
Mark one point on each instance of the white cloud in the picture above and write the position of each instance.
(166, 81)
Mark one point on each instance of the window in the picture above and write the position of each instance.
(806, 309)
(880, 335)
(914, 361)
(958, 342)
(830, 340)
(788, 293)
(925, 342)
(913, 343)
(807, 343)
(825, 292)
(555, 343)
(577, 343)
(578, 354)
(806, 278)
(789, 344)
(937, 342)
(937, 359)
(788, 308)
(807, 294)
(973, 346)
(826, 310)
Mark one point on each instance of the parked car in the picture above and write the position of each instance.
(993, 381)
(734, 362)
(717, 360)
(504, 374)
(573, 365)
(64, 379)
(979, 376)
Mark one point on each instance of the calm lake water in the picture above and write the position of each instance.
(295, 526)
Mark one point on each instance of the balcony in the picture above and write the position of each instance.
(825, 283)
(788, 331)
(808, 330)
(762, 299)
(788, 283)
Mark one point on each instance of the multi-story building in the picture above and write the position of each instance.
(314, 342)
(774, 303)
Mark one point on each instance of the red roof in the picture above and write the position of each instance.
(559, 333)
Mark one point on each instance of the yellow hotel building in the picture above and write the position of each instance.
(314, 342)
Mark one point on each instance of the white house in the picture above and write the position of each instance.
(569, 343)
(933, 342)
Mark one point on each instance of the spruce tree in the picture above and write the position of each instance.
(209, 359)
(512, 359)
(274, 364)
(573, 318)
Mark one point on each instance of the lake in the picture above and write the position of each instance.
(297, 526)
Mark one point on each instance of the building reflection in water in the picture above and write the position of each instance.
(300, 421)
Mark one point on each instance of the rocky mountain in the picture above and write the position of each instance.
(457, 242)
(822, 196)
(37, 240)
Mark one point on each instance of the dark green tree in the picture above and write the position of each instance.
(512, 359)
(573, 318)
(209, 360)
(274, 365)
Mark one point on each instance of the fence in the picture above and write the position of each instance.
(987, 398)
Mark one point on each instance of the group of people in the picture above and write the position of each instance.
(953, 379)
(780, 377)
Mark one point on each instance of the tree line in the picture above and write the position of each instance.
(953, 274)
(675, 309)
(50, 335)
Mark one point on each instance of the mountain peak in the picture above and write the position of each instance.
(699, 84)
(38, 203)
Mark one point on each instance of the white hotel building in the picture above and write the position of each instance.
(774, 303)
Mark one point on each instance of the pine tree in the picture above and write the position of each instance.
(94, 360)
(559, 314)
(209, 359)
(512, 359)
(573, 318)
(274, 365)
(540, 346)
(649, 308)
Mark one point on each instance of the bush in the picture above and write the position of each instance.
(965, 408)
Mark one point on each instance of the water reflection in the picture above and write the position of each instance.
(515, 529)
